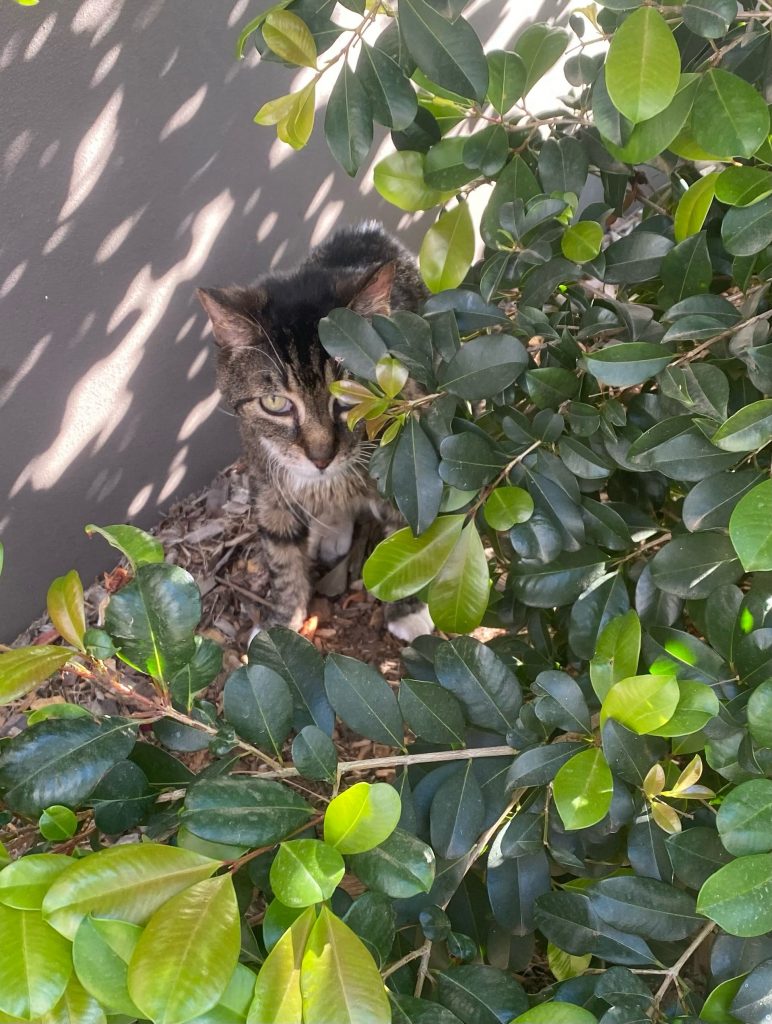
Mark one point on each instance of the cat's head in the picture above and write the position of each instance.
(273, 371)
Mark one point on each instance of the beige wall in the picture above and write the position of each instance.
(131, 172)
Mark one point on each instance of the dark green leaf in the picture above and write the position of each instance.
(489, 693)
(729, 118)
(363, 699)
(449, 53)
(539, 47)
(744, 819)
(373, 919)
(393, 98)
(348, 123)
(431, 712)
(122, 798)
(686, 270)
(469, 461)
(299, 663)
(487, 150)
(709, 18)
(696, 853)
(484, 367)
(560, 582)
(753, 1002)
(563, 165)
(349, 337)
(200, 671)
(738, 897)
(694, 566)
(748, 429)
(636, 257)
(314, 754)
(445, 167)
(645, 907)
(507, 76)
(243, 811)
(401, 867)
(480, 994)
(456, 815)
(258, 704)
(416, 483)
(514, 885)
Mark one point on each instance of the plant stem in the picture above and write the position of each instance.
(688, 356)
(673, 972)
(487, 491)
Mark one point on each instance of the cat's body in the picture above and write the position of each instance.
(309, 470)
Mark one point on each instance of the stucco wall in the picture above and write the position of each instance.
(131, 172)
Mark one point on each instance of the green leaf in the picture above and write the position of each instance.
(516, 181)
(417, 486)
(539, 47)
(361, 817)
(35, 966)
(686, 270)
(693, 206)
(24, 668)
(399, 178)
(24, 882)
(349, 337)
(301, 666)
(484, 367)
(697, 705)
(560, 582)
(187, 953)
(738, 897)
(152, 619)
(636, 257)
(400, 867)
(306, 871)
(134, 544)
(641, 703)
(431, 712)
(479, 993)
(507, 506)
(507, 75)
(747, 230)
(582, 789)
(489, 693)
(709, 18)
(403, 564)
(122, 798)
(296, 127)
(233, 1004)
(458, 595)
(646, 907)
(290, 38)
(129, 882)
(751, 1002)
(278, 997)
(314, 754)
(363, 699)
(258, 704)
(582, 241)
(750, 528)
(563, 165)
(486, 151)
(447, 250)
(743, 186)
(101, 953)
(59, 761)
(744, 821)
(202, 669)
(58, 823)
(243, 811)
(449, 53)
(556, 1013)
(645, 141)
(392, 97)
(66, 609)
(748, 429)
(457, 814)
(538, 766)
(338, 978)
(348, 122)
(445, 167)
(695, 565)
(729, 117)
(696, 853)
(373, 918)
(628, 364)
(643, 65)
(760, 714)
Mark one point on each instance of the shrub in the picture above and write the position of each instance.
(583, 805)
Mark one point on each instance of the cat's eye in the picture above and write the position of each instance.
(276, 404)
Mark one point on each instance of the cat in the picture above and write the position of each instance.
(308, 469)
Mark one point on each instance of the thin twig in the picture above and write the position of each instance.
(688, 356)
(674, 971)
(393, 968)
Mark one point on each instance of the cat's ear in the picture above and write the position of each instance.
(374, 294)
(231, 328)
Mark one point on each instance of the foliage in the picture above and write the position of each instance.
(577, 431)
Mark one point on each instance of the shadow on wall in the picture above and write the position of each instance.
(131, 172)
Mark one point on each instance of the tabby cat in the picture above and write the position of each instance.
(308, 469)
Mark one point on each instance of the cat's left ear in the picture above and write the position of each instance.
(374, 296)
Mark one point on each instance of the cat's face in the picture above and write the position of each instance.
(275, 374)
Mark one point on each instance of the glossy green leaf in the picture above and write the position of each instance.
(695, 565)
(399, 178)
(290, 38)
(200, 671)
(743, 186)
(747, 230)
(748, 429)
(431, 712)
(457, 814)
(693, 206)
(641, 703)
(400, 867)
(58, 823)
(582, 241)
(128, 881)
(556, 1013)
(24, 668)
(752, 1000)
(258, 704)
(277, 991)
(350, 338)
(507, 76)
(759, 714)
(646, 907)
(447, 250)
(339, 981)
(484, 366)
(449, 53)
(363, 699)
(643, 65)
(744, 819)
(697, 705)
(561, 581)
(750, 528)
(24, 882)
(243, 811)
(314, 754)
(738, 897)
(403, 564)
(392, 97)
(152, 620)
(234, 1003)
(636, 257)
(66, 609)
(134, 544)
(76, 1005)
(301, 666)
(582, 789)
(628, 364)
(361, 817)
(306, 871)
(35, 966)
(121, 799)
(709, 18)
(101, 953)
(487, 150)
(187, 953)
(480, 992)
(729, 116)
(507, 506)
(417, 487)
(487, 690)
(539, 47)
(348, 123)
(458, 595)
(648, 139)
(59, 761)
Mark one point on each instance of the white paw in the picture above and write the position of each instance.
(417, 623)
(333, 547)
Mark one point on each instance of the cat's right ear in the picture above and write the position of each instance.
(230, 327)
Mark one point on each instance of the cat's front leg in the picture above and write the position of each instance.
(329, 537)
(284, 540)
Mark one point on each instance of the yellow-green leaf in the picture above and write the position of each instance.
(295, 129)
(278, 998)
(458, 595)
(290, 38)
(399, 178)
(694, 205)
(35, 964)
(24, 882)
(276, 110)
(403, 564)
(362, 817)
(581, 242)
(583, 788)
(66, 609)
(76, 1006)
(642, 703)
(24, 668)
(643, 66)
(447, 250)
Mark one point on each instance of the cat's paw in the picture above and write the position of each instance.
(332, 547)
(416, 622)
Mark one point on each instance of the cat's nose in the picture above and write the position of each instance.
(321, 462)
